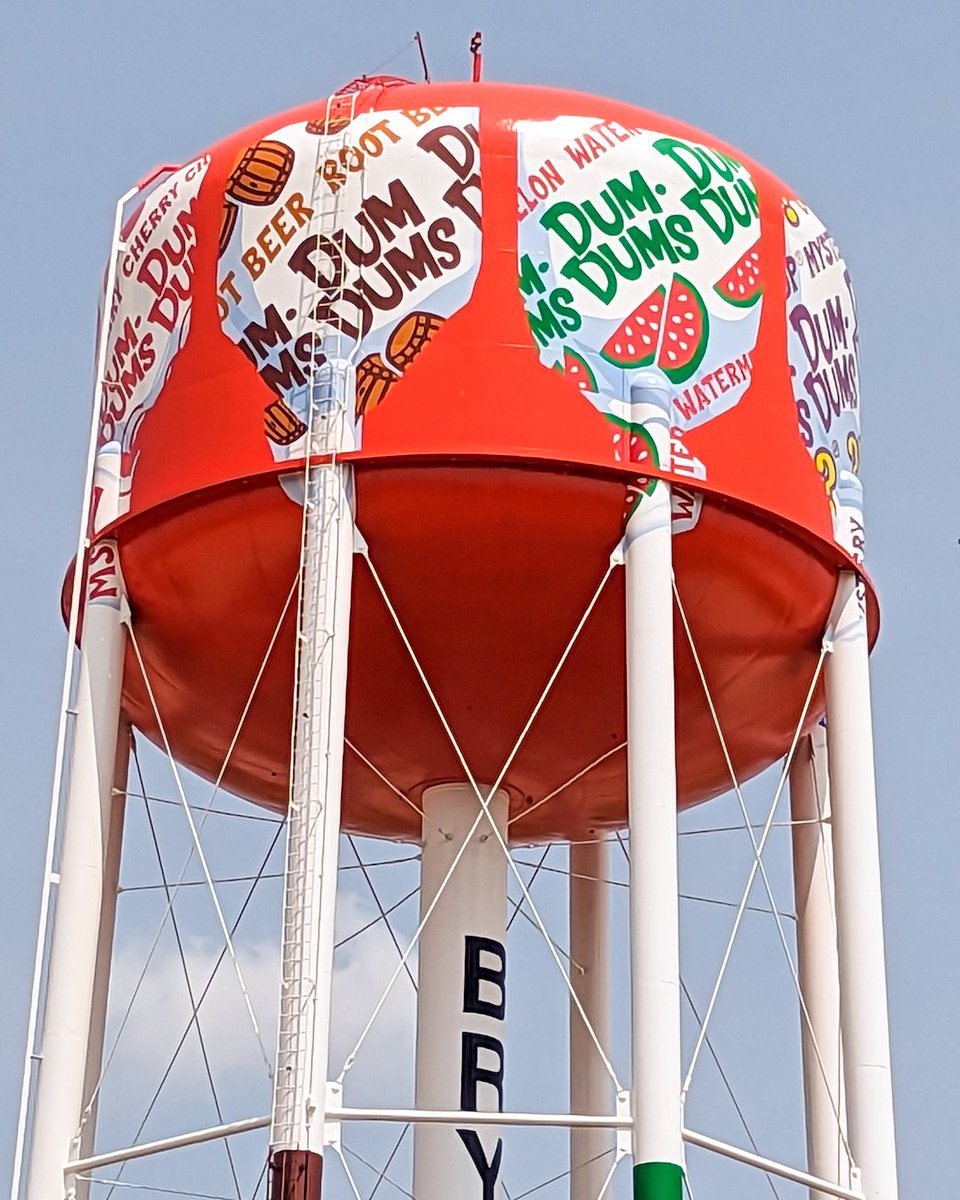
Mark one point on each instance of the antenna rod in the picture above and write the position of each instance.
(475, 44)
(423, 56)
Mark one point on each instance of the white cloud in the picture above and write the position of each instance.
(383, 1070)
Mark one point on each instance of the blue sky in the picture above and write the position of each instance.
(854, 104)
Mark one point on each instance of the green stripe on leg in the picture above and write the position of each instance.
(657, 1181)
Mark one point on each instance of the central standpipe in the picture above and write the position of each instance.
(461, 1001)
(652, 815)
(313, 835)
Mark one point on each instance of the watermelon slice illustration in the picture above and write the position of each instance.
(634, 343)
(686, 327)
(577, 370)
(741, 285)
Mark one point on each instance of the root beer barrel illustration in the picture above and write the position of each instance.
(282, 425)
(410, 337)
(504, 273)
(374, 380)
(260, 175)
(375, 376)
(229, 219)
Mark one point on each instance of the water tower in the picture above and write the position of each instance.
(509, 438)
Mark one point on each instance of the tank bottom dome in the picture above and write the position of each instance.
(490, 568)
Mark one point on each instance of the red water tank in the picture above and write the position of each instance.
(504, 264)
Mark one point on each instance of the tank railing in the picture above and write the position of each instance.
(160, 169)
(516, 1120)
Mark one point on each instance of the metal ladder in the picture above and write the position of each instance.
(329, 410)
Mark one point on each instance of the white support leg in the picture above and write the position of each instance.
(461, 995)
(863, 990)
(101, 981)
(82, 893)
(817, 964)
(652, 805)
(591, 1089)
(313, 833)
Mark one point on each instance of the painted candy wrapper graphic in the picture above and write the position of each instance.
(344, 247)
(639, 253)
(149, 311)
(823, 352)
